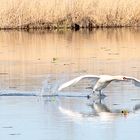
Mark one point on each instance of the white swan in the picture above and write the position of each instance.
(101, 81)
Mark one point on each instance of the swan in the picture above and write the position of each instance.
(101, 81)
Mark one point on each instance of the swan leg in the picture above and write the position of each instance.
(89, 95)
(100, 93)
(100, 96)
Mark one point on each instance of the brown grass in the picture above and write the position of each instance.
(65, 13)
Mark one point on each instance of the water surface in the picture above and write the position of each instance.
(36, 63)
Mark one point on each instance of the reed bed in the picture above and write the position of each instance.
(68, 13)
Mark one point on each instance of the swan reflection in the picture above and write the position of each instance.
(101, 111)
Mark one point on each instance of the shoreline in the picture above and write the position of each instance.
(73, 26)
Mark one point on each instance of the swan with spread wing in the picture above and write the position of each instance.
(101, 81)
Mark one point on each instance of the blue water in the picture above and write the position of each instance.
(32, 67)
(68, 118)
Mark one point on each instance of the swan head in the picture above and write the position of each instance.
(124, 78)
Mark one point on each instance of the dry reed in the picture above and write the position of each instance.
(65, 13)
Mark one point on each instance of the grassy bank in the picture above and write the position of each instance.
(53, 14)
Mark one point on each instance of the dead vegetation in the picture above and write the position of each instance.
(75, 14)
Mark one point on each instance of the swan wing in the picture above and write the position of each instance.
(77, 79)
(134, 80)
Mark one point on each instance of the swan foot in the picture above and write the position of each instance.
(88, 96)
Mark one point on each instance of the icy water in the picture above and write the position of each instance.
(33, 65)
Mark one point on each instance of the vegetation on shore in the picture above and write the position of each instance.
(75, 14)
